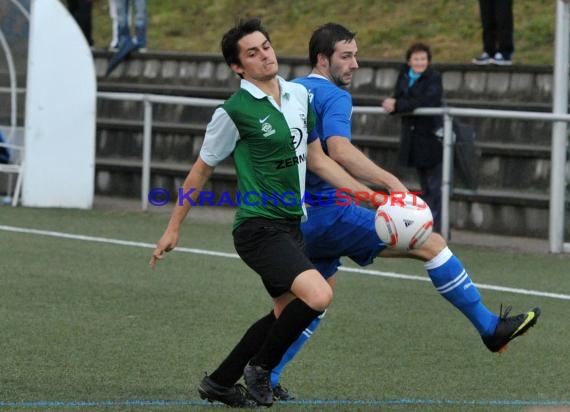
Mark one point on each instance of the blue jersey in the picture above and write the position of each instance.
(333, 107)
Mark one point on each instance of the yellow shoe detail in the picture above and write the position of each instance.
(529, 318)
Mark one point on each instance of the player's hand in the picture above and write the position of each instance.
(393, 184)
(399, 187)
(389, 105)
(167, 242)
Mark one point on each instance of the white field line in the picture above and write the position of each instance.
(235, 256)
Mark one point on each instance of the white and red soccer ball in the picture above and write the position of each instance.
(404, 222)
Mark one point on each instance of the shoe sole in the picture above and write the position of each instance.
(522, 331)
(283, 399)
(259, 401)
(207, 397)
(204, 395)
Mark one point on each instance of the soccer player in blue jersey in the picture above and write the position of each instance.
(333, 231)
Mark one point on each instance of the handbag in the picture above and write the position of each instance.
(466, 156)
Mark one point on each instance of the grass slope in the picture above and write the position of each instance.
(385, 28)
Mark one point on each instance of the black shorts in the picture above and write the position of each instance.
(274, 249)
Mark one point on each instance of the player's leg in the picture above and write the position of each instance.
(313, 295)
(274, 249)
(445, 271)
(330, 233)
(265, 247)
(280, 392)
(221, 385)
(453, 282)
(321, 247)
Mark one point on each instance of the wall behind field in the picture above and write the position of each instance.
(513, 159)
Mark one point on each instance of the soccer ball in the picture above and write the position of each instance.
(404, 222)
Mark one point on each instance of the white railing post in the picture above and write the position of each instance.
(13, 86)
(147, 147)
(446, 173)
(559, 130)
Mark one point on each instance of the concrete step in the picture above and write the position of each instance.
(360, 98)
(487, 129)
(498, 165)
(517, 82)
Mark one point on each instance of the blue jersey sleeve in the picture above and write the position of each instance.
(335, 116)
(312, 124)
(333, 109)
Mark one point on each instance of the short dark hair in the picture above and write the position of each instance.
(229, 42)
(325, 38)
(418, 47)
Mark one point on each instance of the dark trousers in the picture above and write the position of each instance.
(497, 24)
(81, 12)
(430, 184)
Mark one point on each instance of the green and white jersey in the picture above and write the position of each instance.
(269, 146)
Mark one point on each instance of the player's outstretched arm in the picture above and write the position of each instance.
(195, 181)
(318, 162)
(360, 166)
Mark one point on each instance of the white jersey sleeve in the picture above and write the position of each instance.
(220, 139)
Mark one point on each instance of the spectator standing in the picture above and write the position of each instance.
(419, 85)
(123, 8)
(114, 45)
(497, 25)
(81, 12)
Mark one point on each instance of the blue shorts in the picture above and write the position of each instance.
(335, 231)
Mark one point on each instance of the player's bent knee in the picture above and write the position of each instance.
(322, 301)
(434, 244)
(436, 240)
(313, 289)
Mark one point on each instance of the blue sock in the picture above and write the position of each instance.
(453, 283)
(294, 349)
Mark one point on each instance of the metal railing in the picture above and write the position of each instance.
(557, 187)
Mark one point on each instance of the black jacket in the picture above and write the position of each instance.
(419, 147)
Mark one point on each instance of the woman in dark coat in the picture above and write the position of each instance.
(419, 85)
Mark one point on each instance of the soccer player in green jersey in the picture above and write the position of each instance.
(268, 126)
